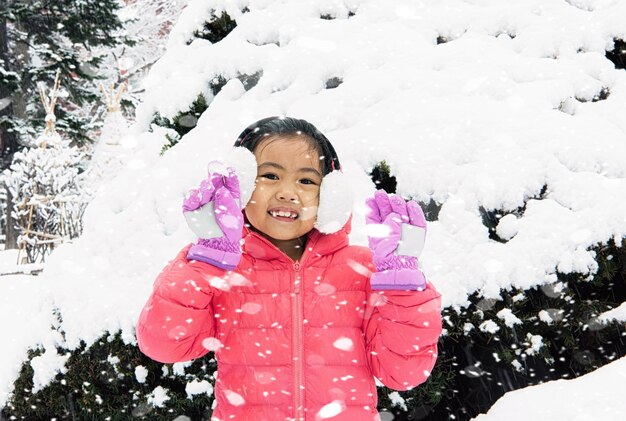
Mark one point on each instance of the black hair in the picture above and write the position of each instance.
(288, 126)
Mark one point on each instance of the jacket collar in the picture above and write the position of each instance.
(318, 244)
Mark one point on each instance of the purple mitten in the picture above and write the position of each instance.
(213, 212)
(387, 214)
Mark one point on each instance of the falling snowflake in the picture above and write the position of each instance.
(330, 410)
(212, 344)
(234, 398)
(251, 308)
(324, 289)
(343, 343)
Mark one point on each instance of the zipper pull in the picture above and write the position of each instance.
(297, 280)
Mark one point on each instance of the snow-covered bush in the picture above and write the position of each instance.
(503, 118)
(102, 382)
(48, 200)
(531, 336)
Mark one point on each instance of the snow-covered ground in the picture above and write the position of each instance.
(25, 311)
(9, 262)
(596, 396)
(487, 119)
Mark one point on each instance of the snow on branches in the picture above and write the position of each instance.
(48, 200)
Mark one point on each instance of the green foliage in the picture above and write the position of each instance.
(128, 106)
(44, 37)
(19, 126)
(183, 122)
(479, 366)
(76, 127)
(9, 79)
(86, 22)
(100, 383)
(487, 365)
(382, 177)
(172, 139)
(618, 54)
(491, 217)
(217, 27)
(422, 399)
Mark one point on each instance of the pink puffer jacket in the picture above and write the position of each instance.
(299, 340)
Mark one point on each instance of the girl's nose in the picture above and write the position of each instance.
(287, 196)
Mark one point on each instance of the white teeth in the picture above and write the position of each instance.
(284, 214)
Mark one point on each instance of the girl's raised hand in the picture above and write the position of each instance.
(213, 212)
(396, 234)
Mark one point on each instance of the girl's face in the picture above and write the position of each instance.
(284, 203)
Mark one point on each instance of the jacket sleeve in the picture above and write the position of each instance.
(401, 333)
(178, 316)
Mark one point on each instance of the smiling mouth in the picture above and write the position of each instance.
(283, 216)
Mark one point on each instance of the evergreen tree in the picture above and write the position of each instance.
(37, 38)
(42, 36)
(46, 180)
(43, 181)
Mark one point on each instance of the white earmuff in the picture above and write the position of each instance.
(335, 206)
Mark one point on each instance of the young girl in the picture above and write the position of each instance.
(300, 321)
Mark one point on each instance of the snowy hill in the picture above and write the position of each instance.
(493, 105)
(597, 395)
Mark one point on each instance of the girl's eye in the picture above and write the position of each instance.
(307, 181)
(270, 176)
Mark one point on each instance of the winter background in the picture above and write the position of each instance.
(507, 106)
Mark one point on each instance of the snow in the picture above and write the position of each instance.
(618, 313)
(489, 326)
(508, 317)
(330, 410)
(517, 365)
(26, 315)
(535, 342)
(397, 400)
(179, 368)
(113, 360)
(550, 315)
(158, 397)
(4, 102)
(141, 374)
(46, 367)
(113, 128)
(9, 263)
(344, 344)
(234, 398)
(212, 344)
(596, 396)
(148, 22)
(196, 387)
(487, 119)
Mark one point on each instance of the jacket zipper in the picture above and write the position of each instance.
(297, 323)
(297, 345)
